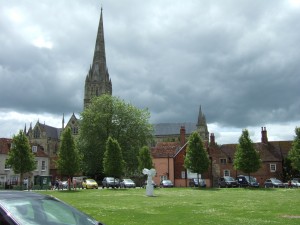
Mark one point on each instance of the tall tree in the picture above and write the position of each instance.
(113, 160)
(196, 159)
(145, 159)
(109, 116)
(68, 156)
(20, 156)
(294, 153)
(246, 157)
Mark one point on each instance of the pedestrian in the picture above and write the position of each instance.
(56, 184)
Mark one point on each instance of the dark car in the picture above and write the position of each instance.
(273, 182)
(247, 181)
(112, 182)
(195, 182)
(127, 183)
(227, 181)
(22, 207)
(166, 184)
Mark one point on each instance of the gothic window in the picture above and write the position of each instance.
(75, 130)
(36, 133)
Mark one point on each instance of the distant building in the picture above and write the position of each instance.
(7, 175)
(169, 156)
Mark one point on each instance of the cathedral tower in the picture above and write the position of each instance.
(97, 81)
(202, 126)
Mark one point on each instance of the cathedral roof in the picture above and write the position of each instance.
(162, 129)
(51, 132)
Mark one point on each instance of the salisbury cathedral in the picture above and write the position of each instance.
(98, 82)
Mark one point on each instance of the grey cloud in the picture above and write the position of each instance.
(240, 61)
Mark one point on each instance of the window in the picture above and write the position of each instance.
(223, 161)
(36, 133)
(36, 165)
(272, 167)
(226, 172)
(43, 166)
(183, 174)
(6, 167)
(34, 148)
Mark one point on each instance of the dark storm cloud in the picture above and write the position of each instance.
(238, 60)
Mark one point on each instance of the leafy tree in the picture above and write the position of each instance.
(109, 116)
(113, 161)
(68, 156)
(20, 156)
(145, 159)
(294, 153)
(196, 159)
(246, 157)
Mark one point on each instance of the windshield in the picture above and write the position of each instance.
(228, 178)
(252, 179)
(44, 211)
(128, 180)
(276, 181)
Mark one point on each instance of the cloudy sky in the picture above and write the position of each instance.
(239, 60)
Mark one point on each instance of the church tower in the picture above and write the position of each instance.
(202, 126)
(97, 81)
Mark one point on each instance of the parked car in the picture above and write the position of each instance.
(26, 207)
(195, 182)
(153, 183)
(166, 183)
(127, 183)
(273, 182)
(89, 184)
(112, 182)
(246, 181)
(227, 181)
(295, 182)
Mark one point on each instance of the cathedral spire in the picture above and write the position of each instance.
(97, 81)
(202, 125)
(99, 52)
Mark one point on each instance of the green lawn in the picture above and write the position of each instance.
(187, 205)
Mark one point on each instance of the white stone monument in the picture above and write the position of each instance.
(149, 187)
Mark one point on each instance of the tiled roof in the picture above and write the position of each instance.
(161, 129)
(165, 149)
(273, 151)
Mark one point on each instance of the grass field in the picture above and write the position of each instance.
(187, 205)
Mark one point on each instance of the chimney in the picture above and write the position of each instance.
(264, 137)
(182, 136)
(212, 139)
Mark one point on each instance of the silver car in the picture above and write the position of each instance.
(30, 208)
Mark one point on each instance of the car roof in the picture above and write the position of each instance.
(5, 195)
